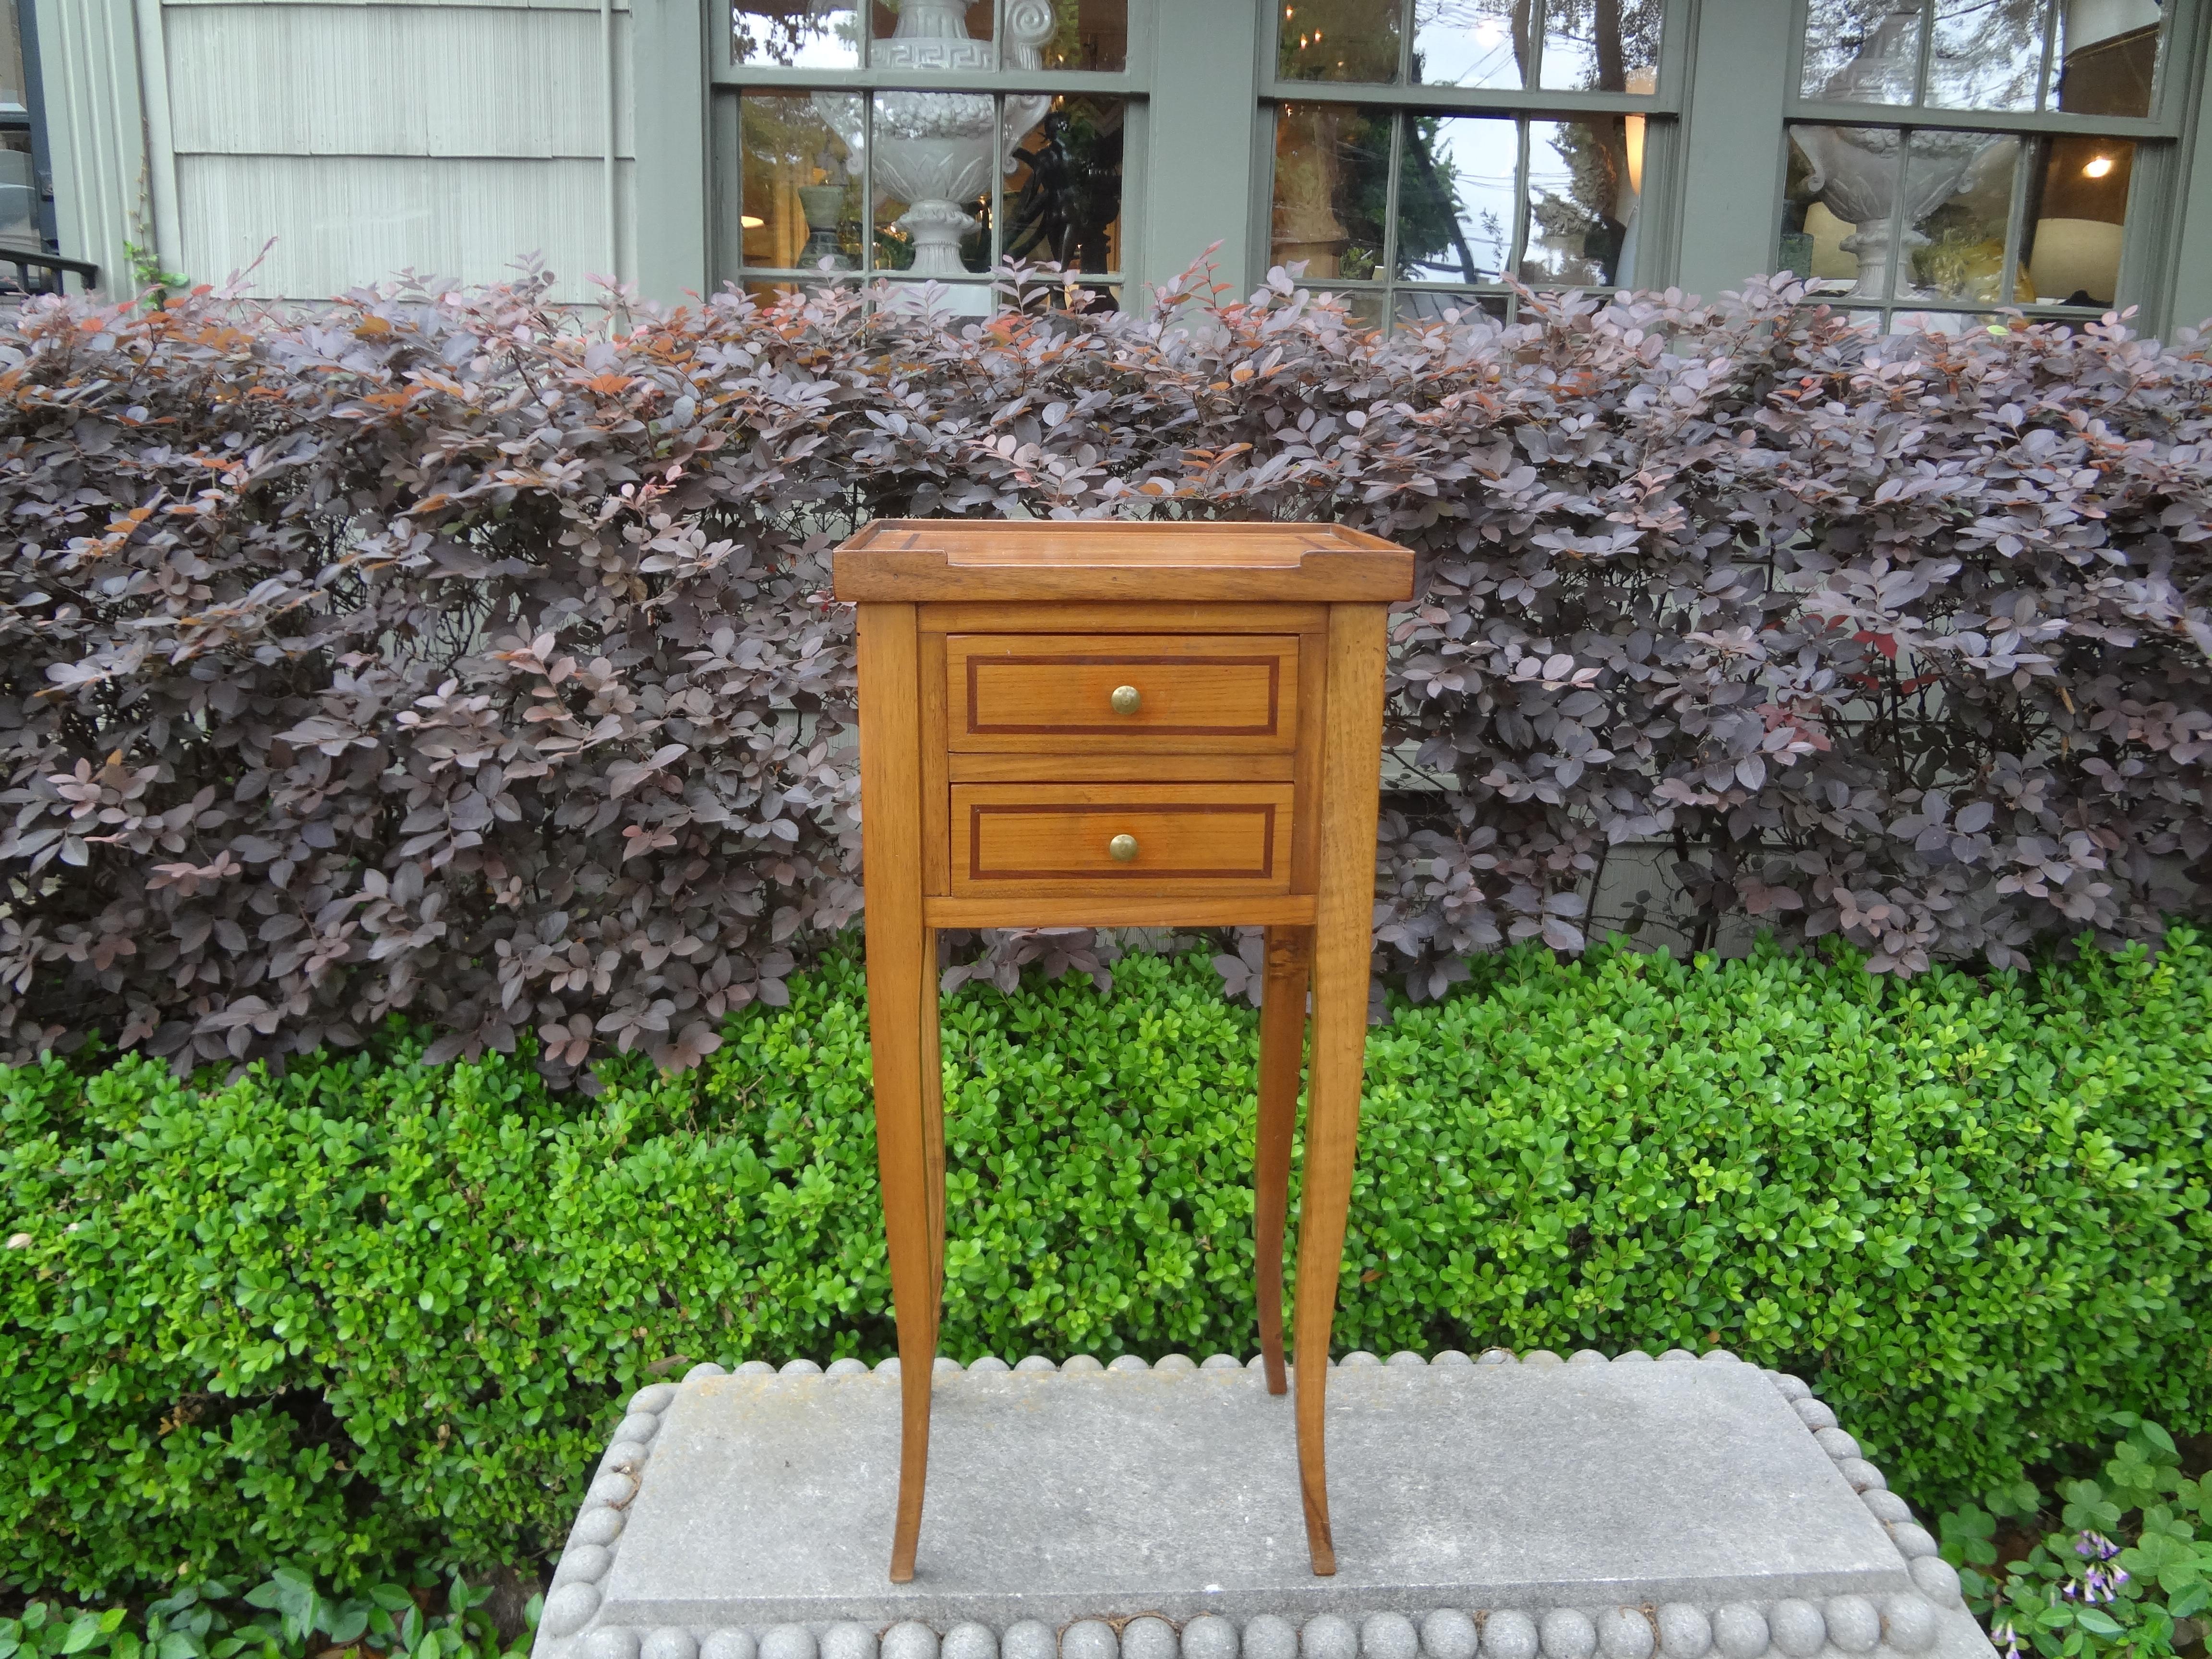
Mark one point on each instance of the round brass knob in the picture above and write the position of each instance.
(1121, 849)
(1125, 700)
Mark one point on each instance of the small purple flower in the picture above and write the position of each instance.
(2099, 1583)
(2010, 1636)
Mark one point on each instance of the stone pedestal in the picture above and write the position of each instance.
(1537, 1508)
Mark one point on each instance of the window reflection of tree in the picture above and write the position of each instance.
(1620, 37)
(781, 32)
(1988, 54)
(1430, 211)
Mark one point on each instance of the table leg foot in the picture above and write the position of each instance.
(1313, 1469)
(916, 1372)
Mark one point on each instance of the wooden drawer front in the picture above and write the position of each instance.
(1218, 691)
(1191, 838)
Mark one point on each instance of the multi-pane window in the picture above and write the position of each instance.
(1989, 157)
(926, 141)
(21, 205)
(1427, 153)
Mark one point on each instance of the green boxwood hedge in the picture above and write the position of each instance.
(376, 1310)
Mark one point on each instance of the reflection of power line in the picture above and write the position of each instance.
(1480, 275)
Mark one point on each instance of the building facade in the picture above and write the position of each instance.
(1949, 157)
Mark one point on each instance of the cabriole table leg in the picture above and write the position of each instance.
(901, 984)
(1343, 948)
(1282, 1051)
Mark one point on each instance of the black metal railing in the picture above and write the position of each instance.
(51, 269)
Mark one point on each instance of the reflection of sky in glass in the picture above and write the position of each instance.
(1464, 43)
(1477, 155)
(1988, 54)
(1569, 58)
(829, 39)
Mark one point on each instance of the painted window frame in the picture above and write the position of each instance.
(1662, 109)
(2152, 239)
(728, 80)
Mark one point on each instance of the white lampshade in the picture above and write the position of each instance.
(2073, 255)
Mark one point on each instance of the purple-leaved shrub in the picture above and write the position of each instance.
(453, 656)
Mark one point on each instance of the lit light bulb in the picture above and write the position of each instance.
(2098, 167)
(751, 221)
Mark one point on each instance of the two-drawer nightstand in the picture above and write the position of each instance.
(1103, 724)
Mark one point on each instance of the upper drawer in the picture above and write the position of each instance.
(1223, 691)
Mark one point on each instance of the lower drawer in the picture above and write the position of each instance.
(1070, 838)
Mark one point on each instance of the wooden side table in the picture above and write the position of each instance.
(1107, 723)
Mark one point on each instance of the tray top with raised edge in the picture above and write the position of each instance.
(920, 560)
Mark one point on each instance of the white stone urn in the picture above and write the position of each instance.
(1854, 169)
(934, 150)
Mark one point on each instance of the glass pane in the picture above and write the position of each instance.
(1365, 305)
(1988, 53)
(1860, 51)
(1813, 233)
(1338, 40)
(1063, 199)
(1458, 197)
(1332, 189)
(1471, 43)
(933, 33)
(1416, 306)
(936, 156)
(2077, 209)
(18, 192)
(1959, 187)
(1951, 323)
(1087, 34)
(2107, 57)
(795, 34)
(1842, 206)
(802, 180)
(1582, 203)
(12, 84)
(946, 299)
(1600, 46)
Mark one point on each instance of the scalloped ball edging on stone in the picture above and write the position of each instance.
(1794, 1629)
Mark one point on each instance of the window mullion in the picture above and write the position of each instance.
(1926, 53)
(1518, 252)
(1390, 272)
(1896, 255)
(994, 194)
(2016, 223)
(867, 182)
(1537, 24)
(2043, 86)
